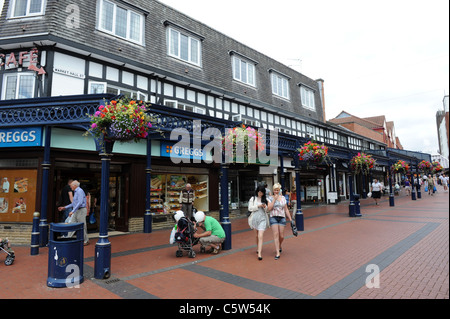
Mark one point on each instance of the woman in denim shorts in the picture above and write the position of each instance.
(278, 211)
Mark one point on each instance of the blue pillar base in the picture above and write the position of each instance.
(391, 200)
(148, 223)
(299, 223)
(413, 195)
(419, 194)
(358, 209)
(102, 266)
(351, 209)
(43, 234)
(226, 225)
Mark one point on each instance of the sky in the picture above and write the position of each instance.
(376, 57)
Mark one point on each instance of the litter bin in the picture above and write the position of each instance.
(357, 205)
(65, 255)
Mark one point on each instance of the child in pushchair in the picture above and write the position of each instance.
(184, 235)
(5, 246)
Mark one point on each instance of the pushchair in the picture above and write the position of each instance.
(184, 237)
(10, 254)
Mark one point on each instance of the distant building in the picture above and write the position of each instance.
(442, 122)
(376, 128)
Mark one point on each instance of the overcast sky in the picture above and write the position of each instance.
(380, 57)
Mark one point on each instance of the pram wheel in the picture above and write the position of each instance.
(179, 253)
(191, 254)
(9, 260)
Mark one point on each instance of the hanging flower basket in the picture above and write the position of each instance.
(425, 166)
(437, 167)
(243, 138)
(362, 163)
(312, 152)
(121, 120)
(400, 167)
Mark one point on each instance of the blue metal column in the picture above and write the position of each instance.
(224, 209)
(34, 249)
(419, 194)
(391, 190)
(413, 190)
(282, 176)
(148, 177)
(43, 225)
(351, 206)
(102, 266)
(299, 220)
(364, 193)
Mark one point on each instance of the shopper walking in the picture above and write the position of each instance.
(430, 181)
(258, 220)
(77, 208)
(408, 186)
(377, 187)
(278, 212)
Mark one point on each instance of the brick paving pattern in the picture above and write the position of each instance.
(332, 259)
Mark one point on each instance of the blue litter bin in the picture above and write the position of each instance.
(65, 255)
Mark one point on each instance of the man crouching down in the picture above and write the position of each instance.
(214, 235)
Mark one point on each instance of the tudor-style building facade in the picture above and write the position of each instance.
(149, 51)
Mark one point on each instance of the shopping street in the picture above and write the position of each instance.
(408, 243)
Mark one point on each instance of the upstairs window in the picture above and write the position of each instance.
(243, 71)
(307, 96)
(26, 8)
(18, 86)
(184, 47)
(121, 22)
(280, 85)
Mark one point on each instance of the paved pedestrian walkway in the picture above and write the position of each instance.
(399, 252)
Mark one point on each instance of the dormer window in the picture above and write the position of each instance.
(26, 8)
(184, 46)
(243, 69)
(121, 22)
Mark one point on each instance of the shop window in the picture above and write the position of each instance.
(121, 22)
(166, 189)
(18, 86)
(26, 8)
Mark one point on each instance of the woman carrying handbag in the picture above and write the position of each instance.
(258, 219)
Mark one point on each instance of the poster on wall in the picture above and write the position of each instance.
(17, 195)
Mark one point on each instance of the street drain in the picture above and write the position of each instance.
(111, 281)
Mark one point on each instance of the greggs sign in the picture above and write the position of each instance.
(14, 60)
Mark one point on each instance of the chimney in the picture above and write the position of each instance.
(322, 97)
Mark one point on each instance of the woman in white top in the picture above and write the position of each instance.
(278, 211)
(258, 220)
(376, 190)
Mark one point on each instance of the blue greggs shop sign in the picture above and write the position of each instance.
(174, 150)
(21, 137)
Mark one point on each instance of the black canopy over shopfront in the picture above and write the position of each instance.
(41, 148)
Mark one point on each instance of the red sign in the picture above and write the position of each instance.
(13, 61)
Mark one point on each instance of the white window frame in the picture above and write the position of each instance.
(238, 65)
(16, 93)
(12, 8)
(176, 52)
(128, 27)
(98, 83)
(307, 97)
(185, 107)
(245, 120)
(280, 85)
(135, 95)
